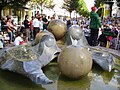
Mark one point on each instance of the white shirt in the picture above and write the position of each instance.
(35, 22)
(18, 40)
(1, 44)
(1, 37)
(74, 22)
(41, 25)
(87, 22)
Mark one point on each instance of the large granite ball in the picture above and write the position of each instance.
(74, 62)
(39, 36)
(76, 32)
(57, 28)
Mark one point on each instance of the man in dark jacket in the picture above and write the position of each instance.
(95, 24)
(27, 27)
(45, 22)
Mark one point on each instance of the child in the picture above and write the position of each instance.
(19, 39)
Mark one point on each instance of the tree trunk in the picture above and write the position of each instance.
(0, 13)
(15, 13)
(76, 15)
(70, 14)
(41, 9)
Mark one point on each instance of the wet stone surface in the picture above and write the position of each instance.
(21, 53)
(97, 79)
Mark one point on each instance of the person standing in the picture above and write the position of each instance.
(40, 24)
(10, 29)
(36, 28)
(31, 27)
(69, 24)
(45, 22)
(27, 27)
(95, 24)
(4, 24)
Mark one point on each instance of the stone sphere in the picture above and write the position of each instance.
(76, 32)
(74, 62)
(57, 28)
(39, 36)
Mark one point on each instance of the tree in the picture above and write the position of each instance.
(97, 4)
(70, 5)
(50, 4)
(11, 4)
(118, 3)
(66, 5)
(44, 4)
(78, 5)
(82, 8)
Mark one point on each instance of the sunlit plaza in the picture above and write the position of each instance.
(59, 44)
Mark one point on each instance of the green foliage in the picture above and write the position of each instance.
(75, 4)
(44, 3)
(82, 8)
(67, 5)
(41, 4)
(118, 3)
(70, 5)
(97, 4)
(78, 5)
(13, 3)
(50, 4)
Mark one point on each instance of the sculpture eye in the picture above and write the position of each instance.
(49, 42)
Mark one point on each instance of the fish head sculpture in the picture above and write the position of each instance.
(75, 36)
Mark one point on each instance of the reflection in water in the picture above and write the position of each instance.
(104, 81)
(52, 73)
(14, 81)
(97, 79)
(107, 76)
(66, 84)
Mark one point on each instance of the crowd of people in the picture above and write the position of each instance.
(100, 30)
(21, 34)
